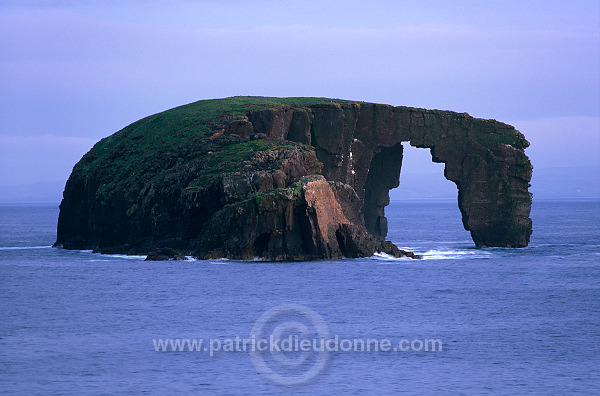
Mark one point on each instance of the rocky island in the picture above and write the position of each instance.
(286, 179)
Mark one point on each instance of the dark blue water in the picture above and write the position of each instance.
(523, 321)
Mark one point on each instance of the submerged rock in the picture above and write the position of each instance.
(286, 179)
(164, 254)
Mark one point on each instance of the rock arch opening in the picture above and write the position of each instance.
(422, 178)
(423, 209)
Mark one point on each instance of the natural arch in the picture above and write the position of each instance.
(360, 144)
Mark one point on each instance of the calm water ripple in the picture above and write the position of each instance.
(512, 321)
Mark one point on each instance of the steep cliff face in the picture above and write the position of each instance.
(228, 178)
(360, 144)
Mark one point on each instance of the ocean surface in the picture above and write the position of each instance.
(511, 321)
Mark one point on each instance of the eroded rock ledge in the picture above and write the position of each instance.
(286, 179)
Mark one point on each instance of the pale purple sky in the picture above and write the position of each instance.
(72, 72)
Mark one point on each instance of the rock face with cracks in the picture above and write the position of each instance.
(286, 179)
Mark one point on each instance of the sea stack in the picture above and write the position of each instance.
(286, 179)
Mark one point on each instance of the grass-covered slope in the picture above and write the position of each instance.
(183, 132)
(159, 179)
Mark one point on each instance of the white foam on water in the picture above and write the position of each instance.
(124, 256)
(443, 253)
(438, 253)
(387, 257)
(217, 261)
(453, 254)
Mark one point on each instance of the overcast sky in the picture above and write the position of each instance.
(72, 72)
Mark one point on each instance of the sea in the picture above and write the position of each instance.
(460, 321)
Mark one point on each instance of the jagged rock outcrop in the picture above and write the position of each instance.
(311, 219)
(286, 179)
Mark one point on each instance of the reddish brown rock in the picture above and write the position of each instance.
(360, 144)
(303, 222)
